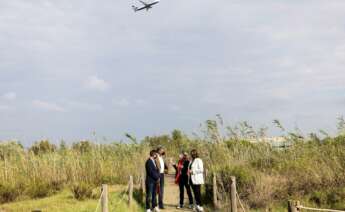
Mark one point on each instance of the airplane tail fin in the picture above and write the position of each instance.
(135, 8)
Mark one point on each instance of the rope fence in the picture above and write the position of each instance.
(295, 206)
(234, 196)
(317, 209)
(103, 199)
(239, 200)
(99, 201)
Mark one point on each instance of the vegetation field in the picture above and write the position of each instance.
(65, 201)
(310, 168)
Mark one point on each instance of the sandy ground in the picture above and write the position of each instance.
(171, 195)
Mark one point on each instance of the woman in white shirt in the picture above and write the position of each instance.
(196, 170)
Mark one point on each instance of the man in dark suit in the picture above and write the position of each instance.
(152, 178)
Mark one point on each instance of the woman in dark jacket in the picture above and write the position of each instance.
(182, 179)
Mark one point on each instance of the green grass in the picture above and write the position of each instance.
(65, 202)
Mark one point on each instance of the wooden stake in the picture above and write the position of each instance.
(104, 199)
(215, 191)
(233, 192)
(292, 206)
(130, 190)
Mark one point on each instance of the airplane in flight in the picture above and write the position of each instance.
(146, 6)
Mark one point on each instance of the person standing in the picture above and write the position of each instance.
(161, 167)
(182, 179)
(152, 178)
(196, 170)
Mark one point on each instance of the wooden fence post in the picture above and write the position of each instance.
(130, 190)
(292, 206)
(233, 193)
(104, 199)
(215, 191)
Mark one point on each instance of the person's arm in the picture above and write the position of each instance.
(166, 168)
(175, 167)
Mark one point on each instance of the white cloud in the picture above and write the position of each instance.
(4, 108)
(77, 105)
(47, 106)
(96, 83)
(175, 108)
(126, 102)
(10, 96)
(121, 102)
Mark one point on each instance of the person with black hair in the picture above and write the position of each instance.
(182, 179)
(196, 170)
(152, 179)
(161, 167)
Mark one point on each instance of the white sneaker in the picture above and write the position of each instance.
(199, 208)
(179, 206)
(148, 210)
(156, 209)
(191, 206)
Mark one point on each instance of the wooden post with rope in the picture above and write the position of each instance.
(292, 206)
(104, 198)
(233, 192)
(215, 191)
(130, 190)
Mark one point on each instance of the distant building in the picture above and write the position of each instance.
(275, 141)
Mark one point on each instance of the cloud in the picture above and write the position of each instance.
(96, 83)
(10, 96)
(48, 106)
(4, 107)
(121, 102)
(81, 106)
(174, 108)
(268, 59)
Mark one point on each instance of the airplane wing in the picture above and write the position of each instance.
(144, 3)
(140, 9)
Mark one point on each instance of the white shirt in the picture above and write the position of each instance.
(161, 161)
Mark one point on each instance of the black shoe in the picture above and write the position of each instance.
(161, 207)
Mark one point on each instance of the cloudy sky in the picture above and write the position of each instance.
(70, 68)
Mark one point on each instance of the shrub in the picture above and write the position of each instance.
(245, 179)
(8, 193)
(39, 190)
(319, 198)
(42, 147)
(82, 191)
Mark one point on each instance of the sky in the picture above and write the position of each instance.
(77, 69)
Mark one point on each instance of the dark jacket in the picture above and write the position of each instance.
(152, 173)
(184, 171)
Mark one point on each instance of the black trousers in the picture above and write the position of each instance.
(185, 184)
(197, 193)
(161, 191)
(151, 201)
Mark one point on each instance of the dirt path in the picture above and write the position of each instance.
(171, 195)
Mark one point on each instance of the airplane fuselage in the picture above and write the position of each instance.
(146, 6)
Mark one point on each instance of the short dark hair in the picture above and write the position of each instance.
(194, 153)
(152, 153)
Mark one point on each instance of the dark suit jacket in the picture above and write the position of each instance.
(152, 173)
